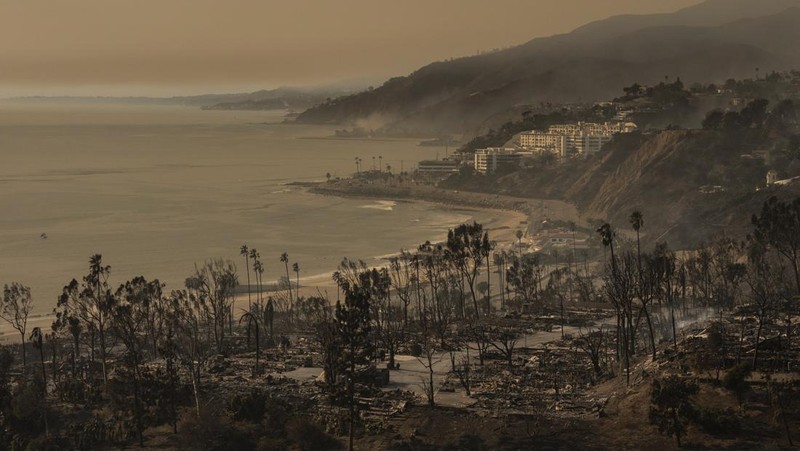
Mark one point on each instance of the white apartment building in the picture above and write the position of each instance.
(552, 142)
(565, 129)
(486, 161)
(581, 138)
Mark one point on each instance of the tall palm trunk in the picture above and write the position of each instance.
(195, 383)
(761, 315)
(103, 352)
(247, 267)
(288, 281)
(474, 298)
(672, 320)
(488, 285)
(137, 403)
(652, 334)
(22, 341)
(76, 353)
(44, 388)
(260, 288)
(258, 348)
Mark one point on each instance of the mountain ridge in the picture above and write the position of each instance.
(586, 65)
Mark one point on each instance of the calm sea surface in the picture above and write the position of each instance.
(155, 189)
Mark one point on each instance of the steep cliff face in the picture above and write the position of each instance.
(663, 170)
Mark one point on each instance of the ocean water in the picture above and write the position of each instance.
(156, 189)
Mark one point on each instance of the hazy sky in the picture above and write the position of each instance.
(161, 47)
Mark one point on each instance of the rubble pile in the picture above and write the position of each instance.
(552, 379)
(726, 342)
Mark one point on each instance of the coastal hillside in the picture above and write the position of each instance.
(676, 176)
(713, 41)
(282, 98)
(689, 183)
(296, 98)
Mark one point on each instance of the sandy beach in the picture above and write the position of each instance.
(534, 209)
(501, 224)
(502, 216)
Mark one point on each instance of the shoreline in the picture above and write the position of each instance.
(532, 208)
(513, 213)
(502, 226)
(504, 219)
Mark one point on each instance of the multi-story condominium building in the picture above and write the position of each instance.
(581, 138)
(487, 161)
(565, 129)
(552, 142)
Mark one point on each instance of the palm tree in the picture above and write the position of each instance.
(607, 235)
(252, 321)
(380, 163)
(258, 269)
(487, 248)
(498, 263)
(637, 221)
(254, 256)
(269, 315)
(37, 337)
(261, 280)
(244, 251)
(519, 234)
(285, 260)
(296, 269)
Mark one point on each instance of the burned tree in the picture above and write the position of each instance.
(353, 330)
(215, 282)
(670, 405)
(620, 288)
(504, 340)
(403, 281)
(592, 343)
(188, 323)
(523, 275)
(131, 318)
(764, 279)
(89, 303)
(469, 245)
(779, 227)
(15, 306)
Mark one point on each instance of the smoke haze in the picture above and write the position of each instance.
(178, 47)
